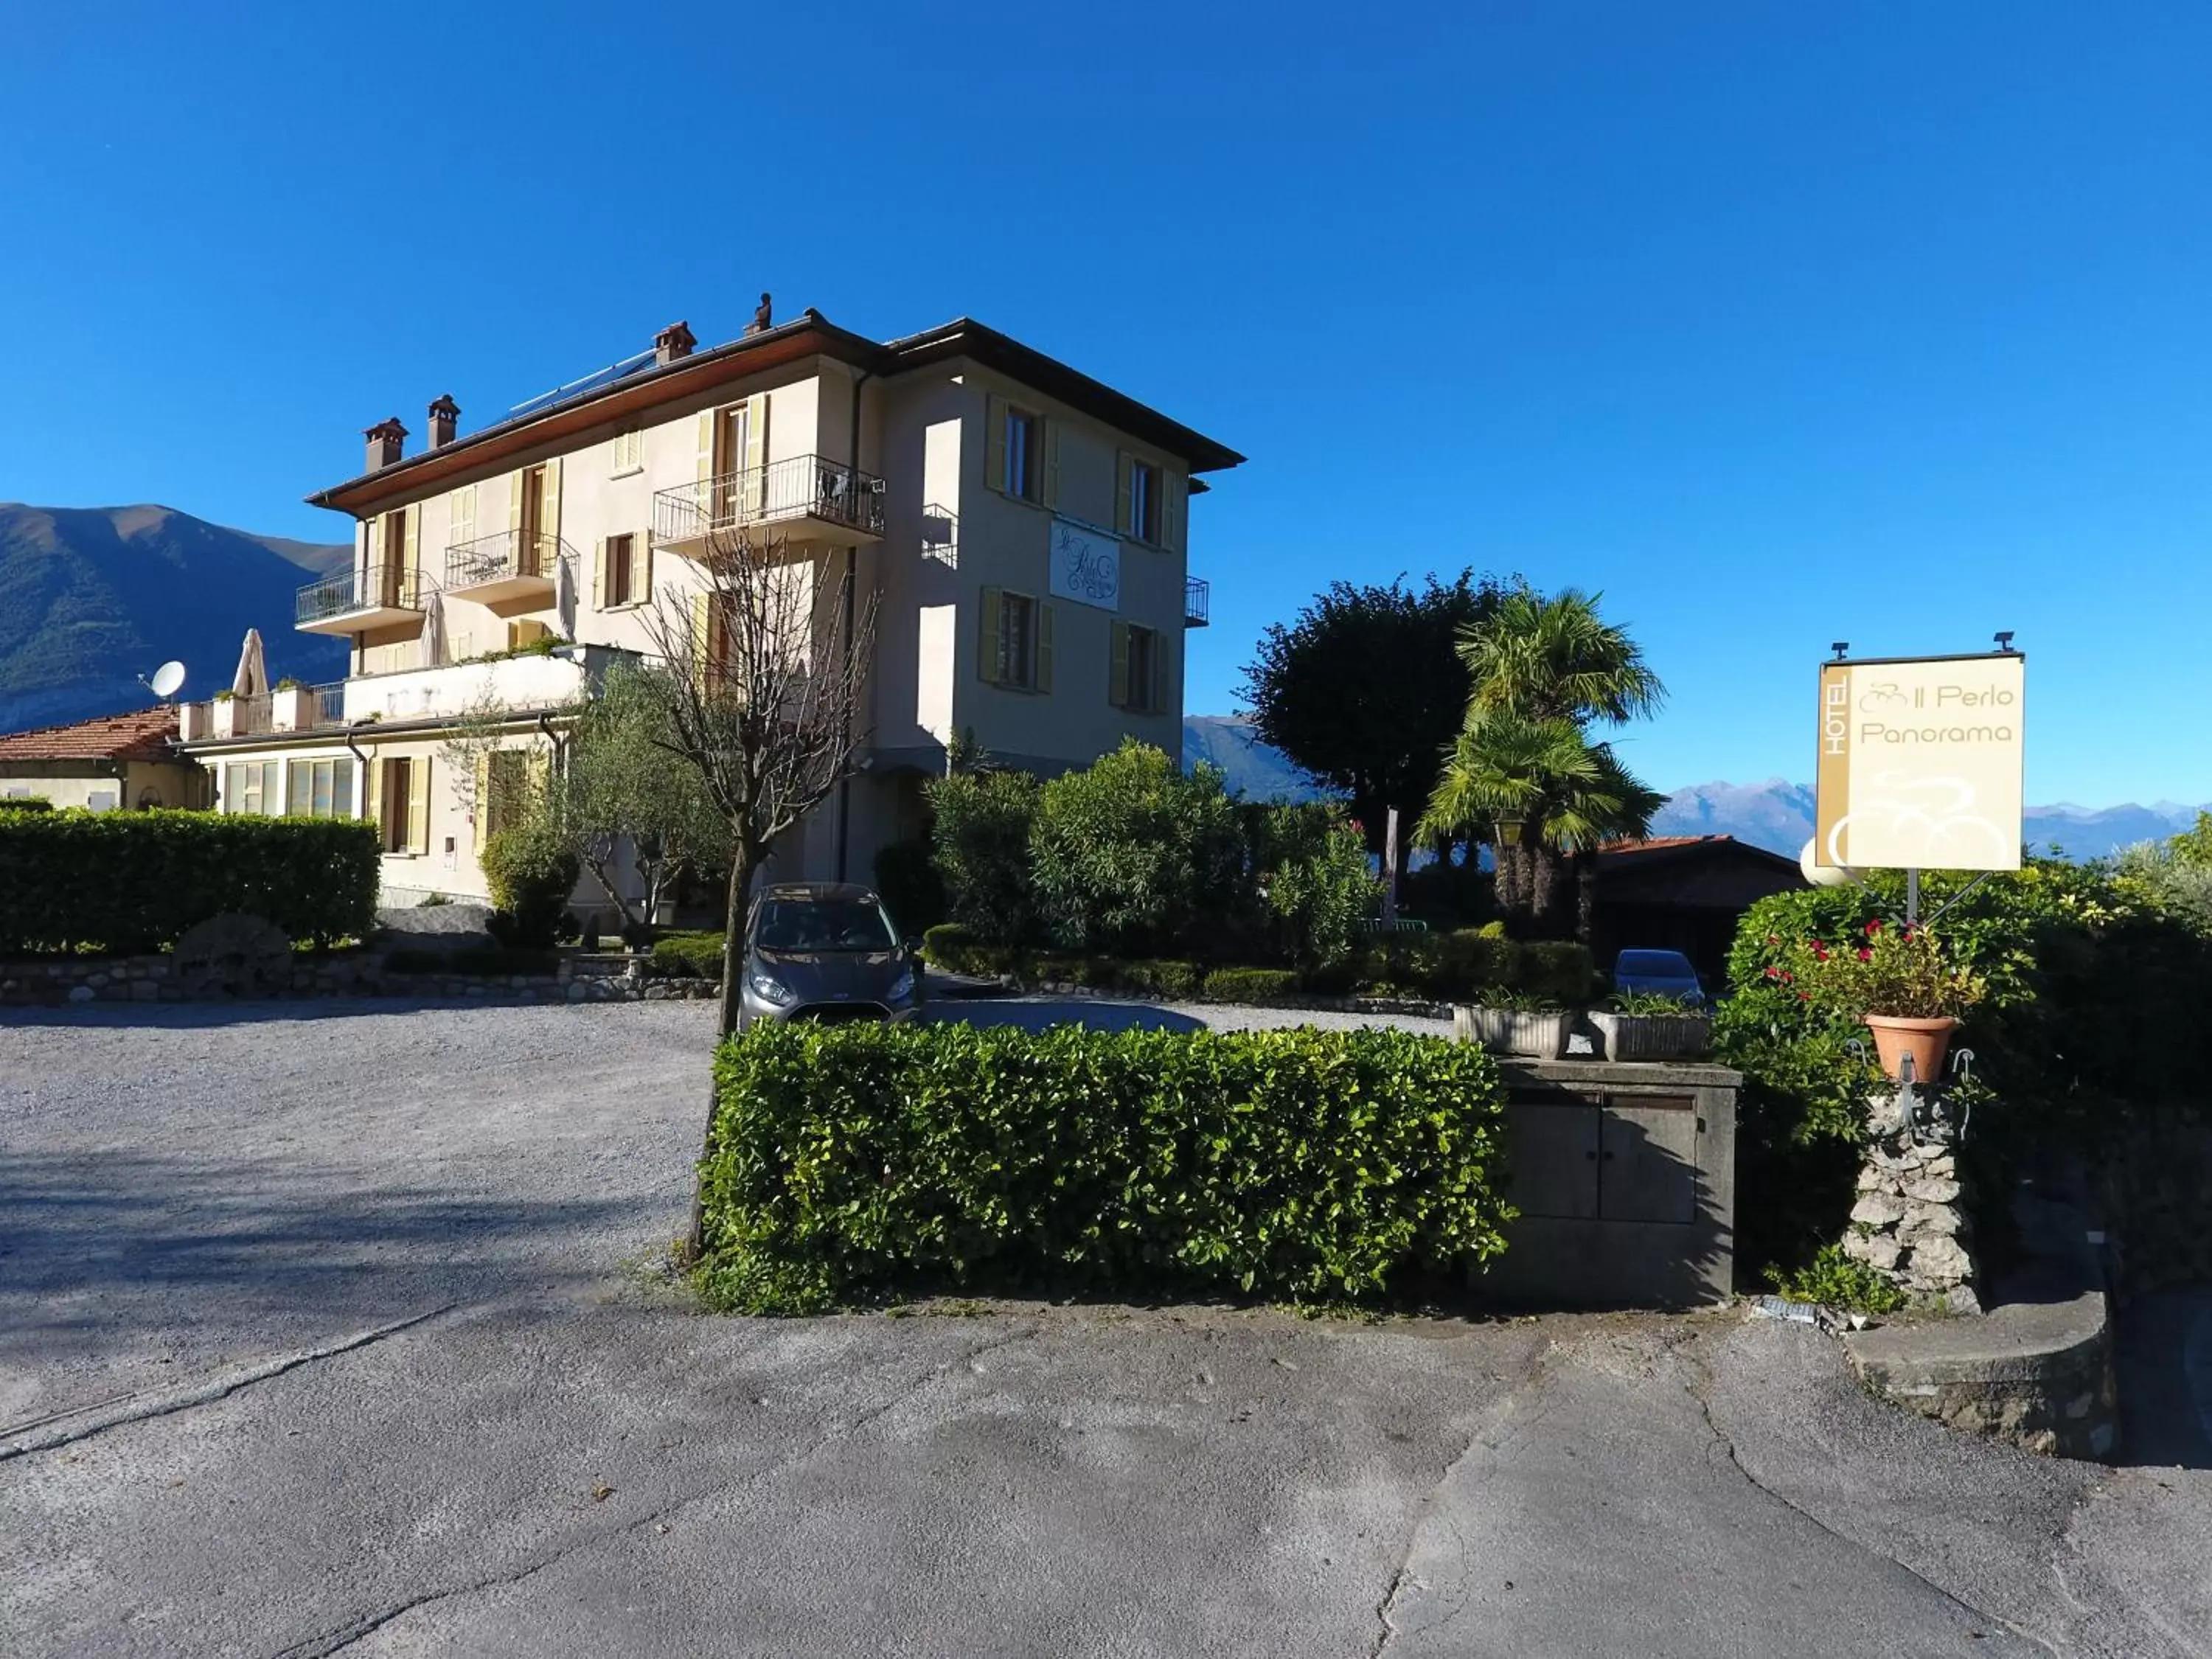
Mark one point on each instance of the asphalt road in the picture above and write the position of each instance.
(330, 1327)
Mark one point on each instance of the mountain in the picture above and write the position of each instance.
(1777, 814)
(1256, 771)
(91, 597)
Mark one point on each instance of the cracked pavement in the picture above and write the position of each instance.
(324, 1329)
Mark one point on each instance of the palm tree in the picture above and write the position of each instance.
(1543, 670)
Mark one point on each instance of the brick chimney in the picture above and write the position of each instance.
(387, 439)
(445, 416)
(673, 341)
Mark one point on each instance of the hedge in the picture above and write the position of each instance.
(124, 882)
(847, 1163)
(24, 803)
(1260, 985)
(688, 956)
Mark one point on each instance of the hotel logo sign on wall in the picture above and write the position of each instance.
(1920, 763)
(1086, 566)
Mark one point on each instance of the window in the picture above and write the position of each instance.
(1021, 453)
(392, 579)
(1143, 518)
(1016, 644)
(461, 517)
(400, 804)
(1138, 676)
(252, 787)
(628, 454)
(624, 573)
(100, 800)
(526, 632)
(320, 789)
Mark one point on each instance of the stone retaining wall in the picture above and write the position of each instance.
(2154, 1190)
(55, 983)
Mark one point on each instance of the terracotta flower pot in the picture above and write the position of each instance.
(1926, 1040)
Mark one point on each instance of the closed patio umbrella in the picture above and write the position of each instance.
(564, 595)
(251, 679)
(434, 629)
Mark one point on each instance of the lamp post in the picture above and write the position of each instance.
(1509, 837)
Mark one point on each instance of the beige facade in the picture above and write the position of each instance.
(940, 471)
(106, 785)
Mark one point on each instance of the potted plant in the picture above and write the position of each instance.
(1513, 1023)
(1899, 981)
(1652, 1026)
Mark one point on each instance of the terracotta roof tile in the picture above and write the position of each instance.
(143, 734)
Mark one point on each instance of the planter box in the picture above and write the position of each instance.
(1651, 1036)
(1509, 1032)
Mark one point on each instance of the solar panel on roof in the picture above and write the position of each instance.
(592, 382)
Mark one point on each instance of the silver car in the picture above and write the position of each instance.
(821, 950)
(1662, 973)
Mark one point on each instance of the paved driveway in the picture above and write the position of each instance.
(327, 1328)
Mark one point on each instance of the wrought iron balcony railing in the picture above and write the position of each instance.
(803, 488)
(503, 556)
(379, 587)
(1197, 603)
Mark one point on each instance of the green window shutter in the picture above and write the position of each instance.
(1125, 515)
(1042, 680)
(986, 639)
(1172, 499)
(994, 442)
(1117, 684)
(1050, 494)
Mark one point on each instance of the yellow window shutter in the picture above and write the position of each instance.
(1044, 614)
(600, 573)
(987, 642)
(514, 501)
(372, 798)
(419, 804)
(538, 767)
(1159, 701)
(1172, 500)
(994, 442)
(756, 456)
(1117, 684)
(550, 519)
(461, 517)
(1125, 514)
(1050, 494)
(483, 815)
(641, 567)
(705, 458)
(376, 543)
(411, 560)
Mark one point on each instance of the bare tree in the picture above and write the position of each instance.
(762, 688)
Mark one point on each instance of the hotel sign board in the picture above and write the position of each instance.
(1920, 763)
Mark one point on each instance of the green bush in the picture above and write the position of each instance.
(956, 950)
(1453, 966)
(1313, 872)
(1835, 1280)
(489, 961)
(1263, 986)
(908, 883)
(1558, 971)
(849, 1162)
(532, 870)
(1129, 855)
(24, 803)
(1158, 978)
(688, 956)
(980, 847)
(135, 881)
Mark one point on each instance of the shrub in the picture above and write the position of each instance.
(980, 848)
(1459, 964)
(1836, 1280)
(956, 950)
(135, 881)
(1558, 969)
(26, 804)
(908, 883)
(848, 1162)
(1156, 978)
(1313, 874)
(1129, 854)
(1263, 986)
(688, 956)
(532, 872)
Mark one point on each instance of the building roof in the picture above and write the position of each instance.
(602, 398)
(1678, 845)
(143, 734)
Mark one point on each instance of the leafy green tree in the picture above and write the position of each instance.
(980, 847)
(1314, 878)
(1130, 852)
(1364, 689)
(631, 804)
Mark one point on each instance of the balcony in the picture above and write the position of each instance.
(378, 596)
(289, 708)
(509, 564)
(1197, 603)
(808, 500)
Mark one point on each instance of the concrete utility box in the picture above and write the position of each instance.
(1625, 1176)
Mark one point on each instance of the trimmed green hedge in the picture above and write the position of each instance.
(124, 882)
(851, 1162)
(688, 956)
(1446, 967)
(24, 803)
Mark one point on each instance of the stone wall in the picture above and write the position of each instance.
(54, 983)
(2153, 1188)
(1911, 1221)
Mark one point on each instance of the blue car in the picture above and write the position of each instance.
(1664, 973)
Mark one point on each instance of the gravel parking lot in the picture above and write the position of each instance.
(330, 1326)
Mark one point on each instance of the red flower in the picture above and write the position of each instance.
(1773, 972)
(1907, 933)
(1874, 927)
(1788, 977)
(1804, 996)
(1774, 939)
(1865, 954)
(1819, 952)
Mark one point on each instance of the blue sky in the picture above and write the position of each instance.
(1777, 323)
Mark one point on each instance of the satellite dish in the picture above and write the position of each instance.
(1823, 875)
(167, 678)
